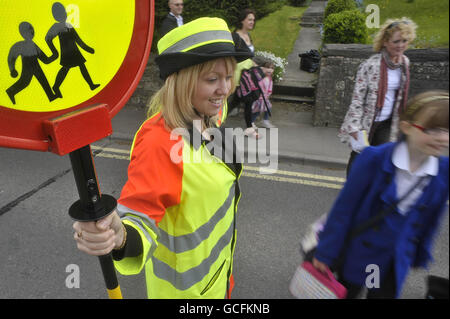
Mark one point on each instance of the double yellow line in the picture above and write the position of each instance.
(251, 171)
(294, 177)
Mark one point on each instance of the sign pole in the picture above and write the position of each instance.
(66, 116)
(93, 206)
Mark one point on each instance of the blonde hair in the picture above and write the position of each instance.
(174, 99)
(430, 107)
(406, 27)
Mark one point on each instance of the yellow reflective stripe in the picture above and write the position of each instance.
(185, 280)
(179, 244)
(224, 114)
(135, 135)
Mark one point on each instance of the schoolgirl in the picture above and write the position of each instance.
(380, 176)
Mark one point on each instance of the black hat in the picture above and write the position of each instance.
(196, 42)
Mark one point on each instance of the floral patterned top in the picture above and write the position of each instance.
(362, 110)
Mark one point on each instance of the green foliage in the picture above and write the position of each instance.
(335, 6)
(278, 31)
(345, 27)
(226, 9)
(299, 3)
(431, 16)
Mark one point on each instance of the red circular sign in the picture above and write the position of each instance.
(24, 129)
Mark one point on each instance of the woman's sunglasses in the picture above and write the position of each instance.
(396, 23)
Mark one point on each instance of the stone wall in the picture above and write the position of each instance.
(149, 84)
(429, 70)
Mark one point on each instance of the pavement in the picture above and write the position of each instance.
(294, 139)
(309, 38)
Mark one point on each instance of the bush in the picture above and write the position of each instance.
(226, 9)
(336, 6)
(299, 3)
(345, 27)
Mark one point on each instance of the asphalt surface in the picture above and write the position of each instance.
(39, 254)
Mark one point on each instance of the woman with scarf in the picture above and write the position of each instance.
(381, 89)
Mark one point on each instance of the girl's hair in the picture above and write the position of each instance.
(264, 62)
(430, 108)
(406, 27)
(174, 99)
(242, 15)
(268, 64)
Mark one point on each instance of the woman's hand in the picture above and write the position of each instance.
(101, 237)
(358, 141)
(319, 265)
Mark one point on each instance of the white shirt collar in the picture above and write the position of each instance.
(179, 19)
(400, 158)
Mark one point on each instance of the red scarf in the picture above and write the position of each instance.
(382, 85)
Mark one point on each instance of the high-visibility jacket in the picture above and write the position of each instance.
(182, 200)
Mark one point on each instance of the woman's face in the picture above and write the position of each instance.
(249, 22)
(212, 89)
(396, 45)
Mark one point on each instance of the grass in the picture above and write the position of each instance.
(278, 31)
(431, 16)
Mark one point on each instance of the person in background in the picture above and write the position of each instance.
(243, 42)
(380, 176)
(174, 18)
(176, 215)
(381, 89)
(263, 105)
(241, 35)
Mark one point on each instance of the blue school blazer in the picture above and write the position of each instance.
(401, 240)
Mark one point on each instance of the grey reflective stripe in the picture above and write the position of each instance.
(138, 223)
(185, 280)
(140, 219)
(150, 223)
(179, 244)
(198, 38)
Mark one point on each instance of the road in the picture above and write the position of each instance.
(39, 258)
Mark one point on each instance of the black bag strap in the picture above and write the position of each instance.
(377, 218)
(262, 93)
(358, 230)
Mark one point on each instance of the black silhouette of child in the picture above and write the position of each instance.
(30, 54)
(69, 42)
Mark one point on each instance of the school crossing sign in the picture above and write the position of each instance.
(59, 57)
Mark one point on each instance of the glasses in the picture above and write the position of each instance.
(436, 131)
(178, 4)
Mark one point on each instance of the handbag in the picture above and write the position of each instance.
(309, 283)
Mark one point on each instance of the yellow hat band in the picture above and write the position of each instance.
(199, 31)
